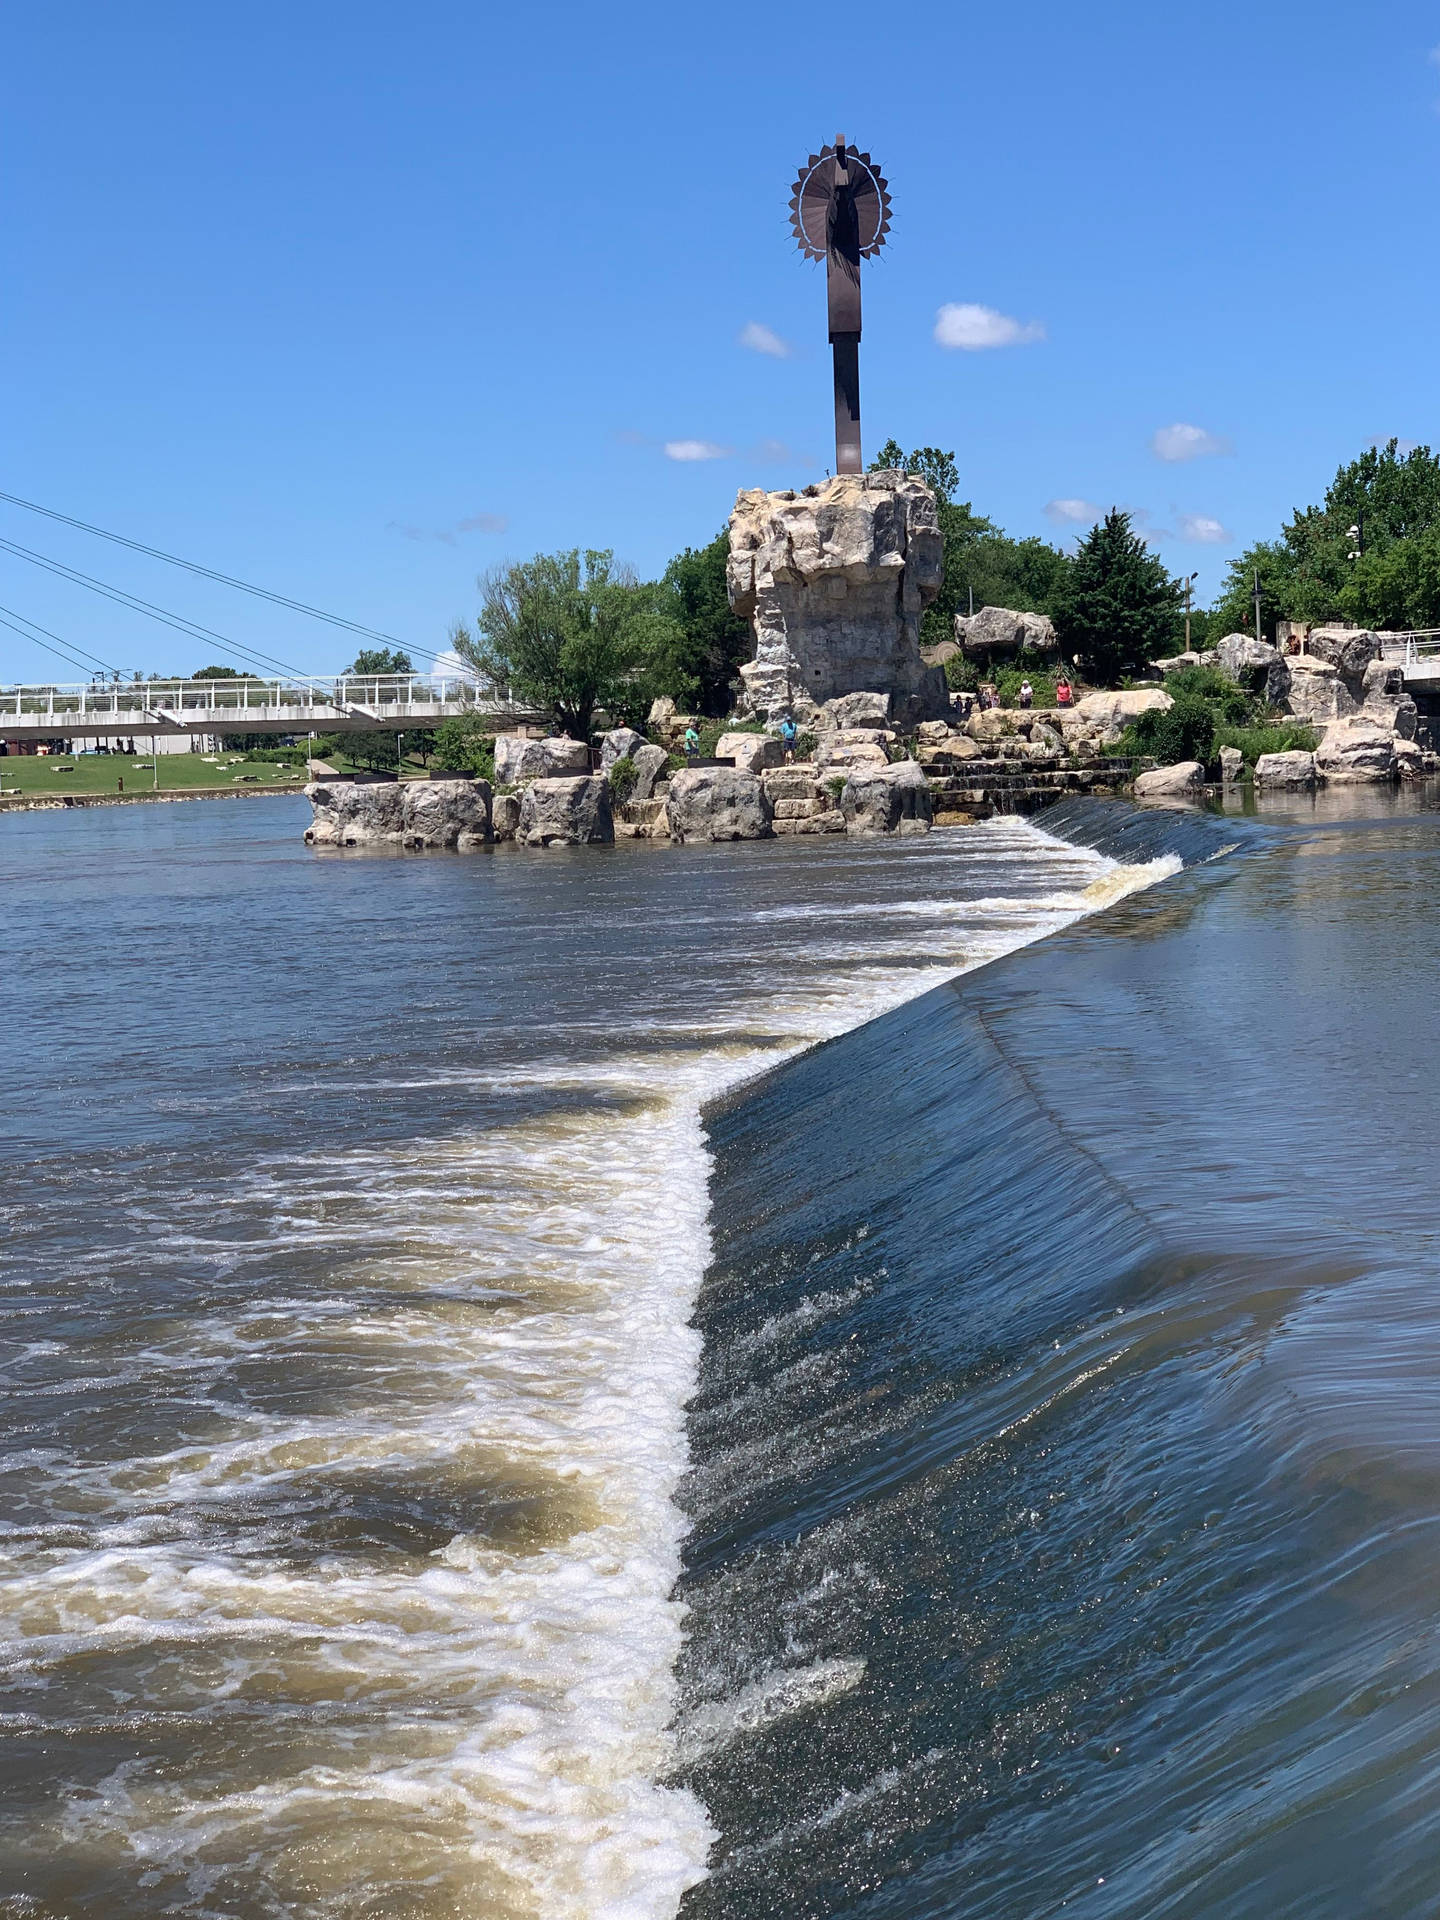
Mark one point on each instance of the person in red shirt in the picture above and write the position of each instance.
(1064, 694)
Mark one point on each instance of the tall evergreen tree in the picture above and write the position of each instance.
(1118, 607)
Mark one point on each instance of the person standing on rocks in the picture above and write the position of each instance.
(692, 743)
(1027, 693)
(787, 737)
(1064, 693)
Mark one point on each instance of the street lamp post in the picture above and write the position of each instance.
(1189, 588)
(1256, 576)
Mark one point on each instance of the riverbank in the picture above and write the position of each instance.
(63, 802)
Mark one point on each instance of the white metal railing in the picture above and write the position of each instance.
(390, 694)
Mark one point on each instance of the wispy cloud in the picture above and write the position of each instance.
(1072, 513)
(762, 339)
(1202, 528)
(1402, 447)
(695, 450)
(971, 328)
(451, 536)
(1183, 442)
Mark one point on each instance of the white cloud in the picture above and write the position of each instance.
(1182, 442)
(1073, 513)
(694, 450)
(972, 328)
(1200, 527)
(761, 339)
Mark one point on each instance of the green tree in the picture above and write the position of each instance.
(570, 632)
(1309, 574)
(372, 660)
(466, 744)
(937, 468)
(709, 641)
(1118, 607)
(379, 752)
(217, 673)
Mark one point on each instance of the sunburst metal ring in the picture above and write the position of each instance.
(812, 193)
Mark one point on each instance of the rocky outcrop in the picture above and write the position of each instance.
(801, 802)
(1385, 701)
(505, 815)
(416, 813)
(718, 803)
(1244, 659)
(1232, 766)
(1186, 777)
(1356, 750)
(834, 580)
(999, 630)
(1105, 716)
(1285, 770)
(517, 758)
(1312, 690)
(857, 710)
(566, 812)
(1349, 649)
(887, 800)
(650, 764)
(853, 747)
(751, 752)
(620, 743)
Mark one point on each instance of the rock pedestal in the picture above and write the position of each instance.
(418, 814)
(834, 580)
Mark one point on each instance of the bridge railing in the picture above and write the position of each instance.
(229, 700)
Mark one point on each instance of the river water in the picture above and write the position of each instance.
(498, 1422)
(355, 1213)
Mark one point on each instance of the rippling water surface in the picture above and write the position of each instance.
(354, 1214)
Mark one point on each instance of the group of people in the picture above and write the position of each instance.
(1064, 694)
(789, 733)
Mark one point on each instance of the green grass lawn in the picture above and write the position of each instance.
(100, 773)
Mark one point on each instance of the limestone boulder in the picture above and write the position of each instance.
(834, 580)
(1356, 750)
(1349, 649)
(650, 763)
(352, 813)
(505, 815)
(1177, 660)
(1106, 715)
(571, 811)
(1410, 759)
(1244, 659)
(989, 724)
(1313, 690)
(1185, 778)
(884, 800)
(856, 710)
(718, 803)
(1001, 631)
(1280, 770)
(933, 733)
(1385, 701)
(852, 747)
(446, 813)
(620, 743)
(751, 752)
(1044, 734)
(1232, 766)
(518, 758)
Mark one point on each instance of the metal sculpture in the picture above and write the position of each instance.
(840, 211)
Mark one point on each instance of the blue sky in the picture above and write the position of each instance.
(356, 301)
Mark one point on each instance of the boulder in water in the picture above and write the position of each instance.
(1185, 777)
(718, 803)
(891, 799)
(1293, 769)
(650, 763)
(567, 812)
(1356, 750)
(1232, 766)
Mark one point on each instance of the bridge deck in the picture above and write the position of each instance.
(385, 703)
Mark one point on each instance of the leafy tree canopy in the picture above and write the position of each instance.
(381, 660)
(217, 673)
(570, 632)
(1118, 607)
(1308, 574)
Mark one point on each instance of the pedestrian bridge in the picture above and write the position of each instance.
(343, 703)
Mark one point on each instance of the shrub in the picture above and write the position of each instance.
(805, 745)
(1185, 731)
(961, 675)
(1253, 741)
(836, 784)
(623, 776)
(1231, 705)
